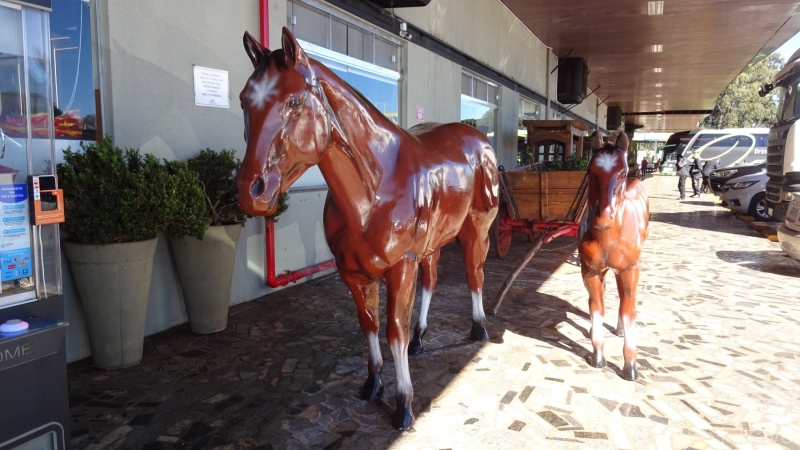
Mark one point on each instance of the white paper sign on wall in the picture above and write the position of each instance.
(211, 87)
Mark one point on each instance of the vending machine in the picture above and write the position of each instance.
(34, 411)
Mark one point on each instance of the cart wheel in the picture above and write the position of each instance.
(501, 234)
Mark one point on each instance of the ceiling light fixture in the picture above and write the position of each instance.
(658, 103)
(658, 95)
(657, 48)
(657, 69)
(655, 8)
(658, 85)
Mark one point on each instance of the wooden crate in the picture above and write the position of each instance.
(552, 196)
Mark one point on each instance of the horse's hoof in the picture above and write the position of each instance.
(372, 389)
(620, 332)
(402, 418)
(415, 347)
(629, 372)
(478, 332)
(597, 360)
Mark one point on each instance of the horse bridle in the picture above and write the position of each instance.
(333, 119)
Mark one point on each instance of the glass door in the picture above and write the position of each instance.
(26, 132)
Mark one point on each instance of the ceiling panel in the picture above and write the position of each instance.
(705, 44)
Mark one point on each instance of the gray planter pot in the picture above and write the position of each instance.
(205, 268)
(113, 283)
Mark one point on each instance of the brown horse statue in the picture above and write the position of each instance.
(395, 196)
(613, 231)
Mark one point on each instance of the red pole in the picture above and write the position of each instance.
(263, 14)
(290, 276)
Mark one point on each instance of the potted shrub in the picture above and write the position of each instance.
(205, 261)
(116, 203)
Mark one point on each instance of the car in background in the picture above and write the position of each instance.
(747, 194)
(719, 177)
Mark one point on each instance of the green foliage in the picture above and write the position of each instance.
(115, 195)
(739, 105)
(572, 162)
(190, 217)
(217, 172)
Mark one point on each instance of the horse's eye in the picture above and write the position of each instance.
(294, 102)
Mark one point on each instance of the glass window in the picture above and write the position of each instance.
(528, 110)
(310, 25)
(73, 75)
(549, 151)
(338, 36)
(480, 116)
(493, 94)
(385, 54)
(466, 84)
(315, 25)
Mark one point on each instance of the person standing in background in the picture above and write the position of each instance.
(696, 171)
(710, 166)
(683, 172)
(643, 168)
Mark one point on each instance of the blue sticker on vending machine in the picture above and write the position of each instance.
(15, 241)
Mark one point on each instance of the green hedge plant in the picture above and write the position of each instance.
(217, 174)
(114, 195)
(572, 162)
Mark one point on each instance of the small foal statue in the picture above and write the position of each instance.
(613, 231)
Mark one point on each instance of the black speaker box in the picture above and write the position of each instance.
(573, 76)
(613, 117)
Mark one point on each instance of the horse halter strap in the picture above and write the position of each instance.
(333, 120)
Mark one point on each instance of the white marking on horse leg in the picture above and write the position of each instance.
(597, 330)
(400, 354)
(423, 310)
(477, 307)
(374, 349)
(630, 336)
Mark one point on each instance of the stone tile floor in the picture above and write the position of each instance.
(717, 332)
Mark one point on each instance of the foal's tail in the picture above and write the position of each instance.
(487, 181)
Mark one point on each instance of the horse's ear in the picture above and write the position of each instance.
(622, 141)
(597, 142)
(292, 49)
(257, 52)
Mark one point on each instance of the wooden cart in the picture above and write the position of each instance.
(538, 202)
(541, 202)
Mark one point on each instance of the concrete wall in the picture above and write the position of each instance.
(431, 82)
(149, 103)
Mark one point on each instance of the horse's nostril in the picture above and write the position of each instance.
(258, 188)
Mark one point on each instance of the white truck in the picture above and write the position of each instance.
(783, 157)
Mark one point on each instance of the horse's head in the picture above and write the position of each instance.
(285, 124)
(608, 172)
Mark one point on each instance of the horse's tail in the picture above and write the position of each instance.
(487, 182)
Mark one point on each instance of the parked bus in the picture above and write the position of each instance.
(732, 146)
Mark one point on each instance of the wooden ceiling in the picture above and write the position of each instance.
(705, 44)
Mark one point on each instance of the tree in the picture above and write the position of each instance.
(739, 105)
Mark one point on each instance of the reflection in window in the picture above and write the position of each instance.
(528, 110)
(73, 82)
(381, 91)
(480, 116)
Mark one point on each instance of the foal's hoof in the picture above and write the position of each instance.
(629, 372)
(597, 360)
(402, 418)
(372, 389)
(478, 332)
(415, 347)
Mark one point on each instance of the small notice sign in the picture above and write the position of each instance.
(211, 87)
(420, 113)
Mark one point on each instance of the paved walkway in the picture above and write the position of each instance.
(717, 333)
